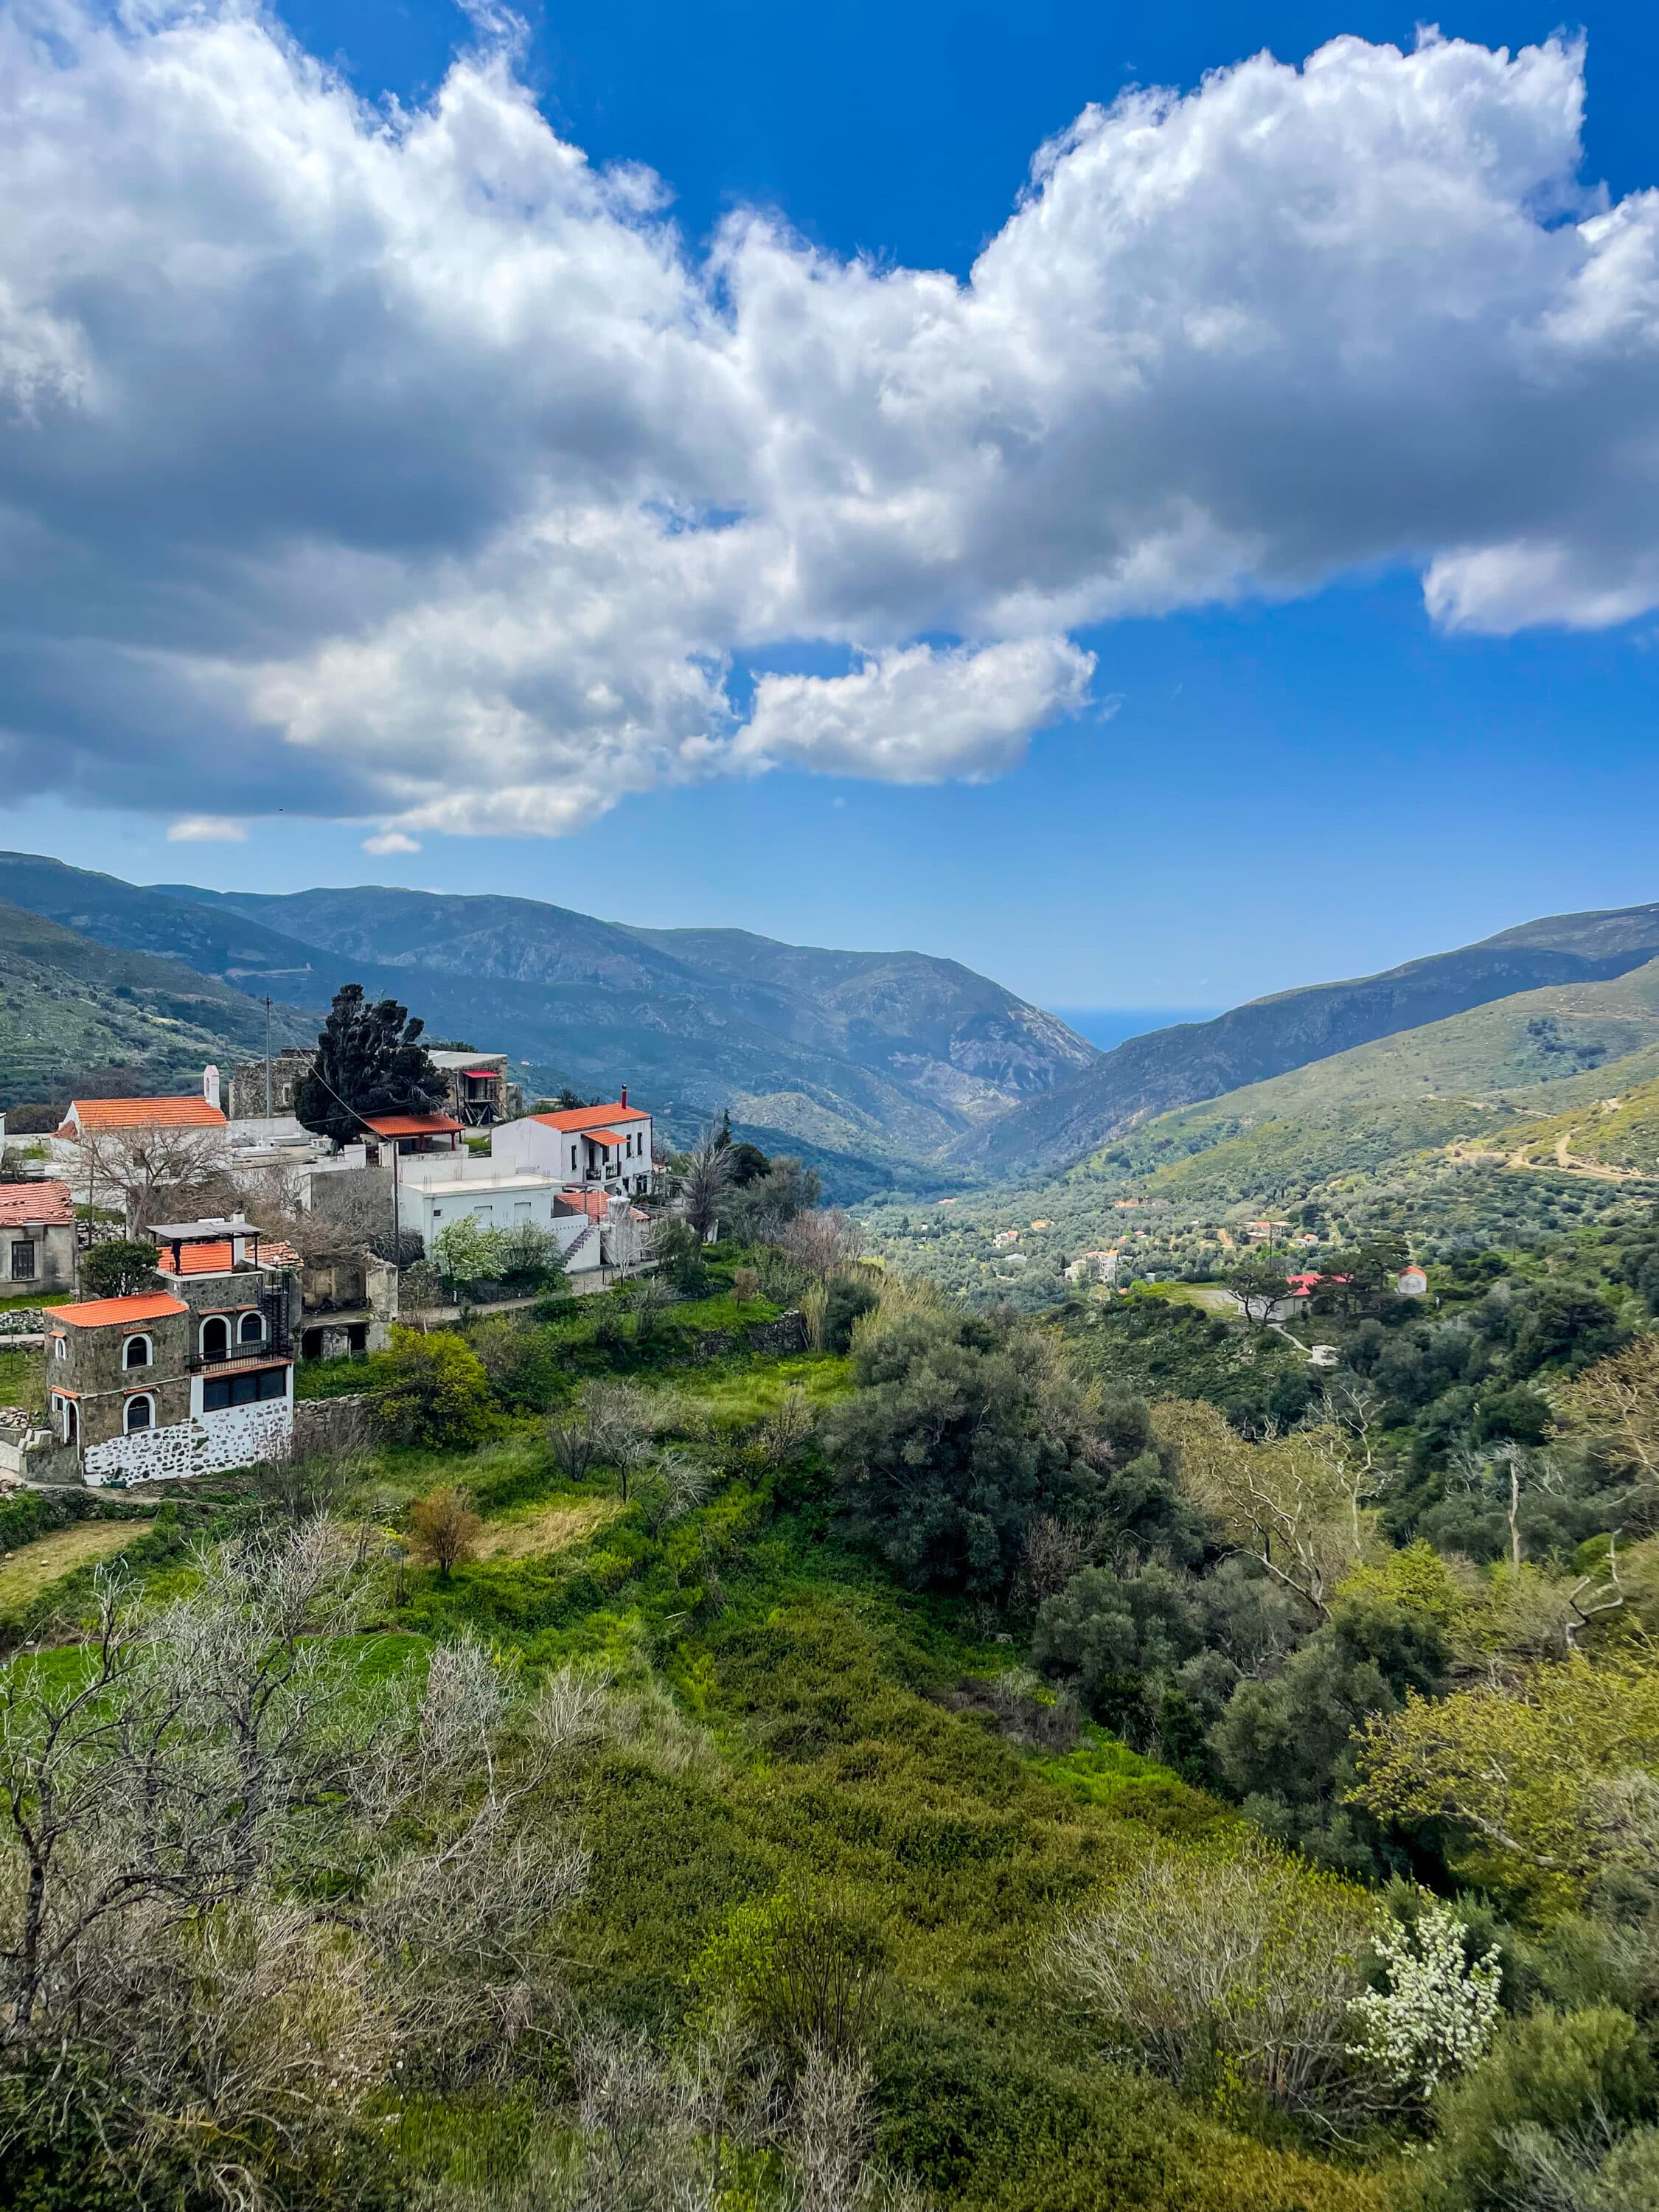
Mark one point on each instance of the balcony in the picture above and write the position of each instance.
(277, 1346)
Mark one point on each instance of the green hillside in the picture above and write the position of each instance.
(1467, 1076)
(1461, 1121)
(77, 1015)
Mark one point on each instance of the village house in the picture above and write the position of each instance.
(37, 1238)
(188, 1379)
(1411, 1282)
(603, 1147)
(481, 1091)
(120, 1117)
(261, 1089)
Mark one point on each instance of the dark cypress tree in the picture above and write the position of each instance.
(370, 1060)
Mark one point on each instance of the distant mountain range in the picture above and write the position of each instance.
(1197, 1060)
(869, 1063)
(888, 1069)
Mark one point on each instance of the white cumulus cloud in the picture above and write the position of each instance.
(401, 465)
(914, 715)
(206, 829)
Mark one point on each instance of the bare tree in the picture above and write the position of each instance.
(783, 1432)
(150, 1175)
(176, 1974)
(1251, 1959)
(824, 1242)
(1055, 1551)
(622, 1418)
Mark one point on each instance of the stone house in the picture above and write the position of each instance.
(194, 1377)
(37, 1238)
(349, 1302)
(244, 1092)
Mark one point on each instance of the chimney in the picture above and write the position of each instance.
(625, 1096)
(210, 1084)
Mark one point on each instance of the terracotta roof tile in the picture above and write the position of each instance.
(106, 1313)
(47, 1203)
(106, 1114)
(411, 1125)
(578, 1120)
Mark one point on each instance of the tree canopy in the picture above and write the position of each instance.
(370, 1060)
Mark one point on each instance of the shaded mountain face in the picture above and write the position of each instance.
(892, 1045)
(1197, 1060)
(79, 1016)
(871, 1056)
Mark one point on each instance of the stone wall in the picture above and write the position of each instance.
(324, 1425)
(785, 1334)
(23, 1321)
(207, 1443)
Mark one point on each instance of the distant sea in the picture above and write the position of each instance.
(1109, 1025)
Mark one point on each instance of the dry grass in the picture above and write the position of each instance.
(26, 1572)
(544, 1528)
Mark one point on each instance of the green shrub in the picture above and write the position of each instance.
(1565, 2075)
(434, 1393)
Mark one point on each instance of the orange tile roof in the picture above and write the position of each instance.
(602, 1136)
(577, 1121)
(106, 1313)
(22, 1204)
(211, 1259)
(411, 1125)
(143, 1113)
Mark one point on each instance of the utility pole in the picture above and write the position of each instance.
(267, 1055)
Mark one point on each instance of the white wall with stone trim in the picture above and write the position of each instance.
(207, 1443)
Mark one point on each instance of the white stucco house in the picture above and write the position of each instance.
(593, 1147)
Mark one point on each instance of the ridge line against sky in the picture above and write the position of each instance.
(397, 467)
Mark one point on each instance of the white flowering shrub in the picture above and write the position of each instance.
(1438, 2014)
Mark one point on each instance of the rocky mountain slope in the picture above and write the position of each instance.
(1180, 1066)
(77, 1015)
(854, 1057)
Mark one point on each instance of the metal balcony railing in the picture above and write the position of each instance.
(277, 1346)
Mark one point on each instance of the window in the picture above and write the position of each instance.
(521, 1209)
(23, 1260)
(137, 1352)
(60, 1347)
(69, 1415)
(141, 1414)
(225, 1390)
(250, 1330)
(573, 1156)
(215, 1337)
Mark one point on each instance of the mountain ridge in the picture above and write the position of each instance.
(1191, 1062)
(877, 1057)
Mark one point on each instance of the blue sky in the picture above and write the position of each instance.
(1299, 771)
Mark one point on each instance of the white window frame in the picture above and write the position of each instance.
(201, 1334)
(251, 1314)
(128, 1364)
(137, 1398)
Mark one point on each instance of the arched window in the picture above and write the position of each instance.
(215, 1337)
(250, 1330)
(140, 1413)
(137, 1352)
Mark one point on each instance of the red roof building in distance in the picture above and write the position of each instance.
(44, 1205)
(595, 1121)
(91, 1117)
(112, 1313)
